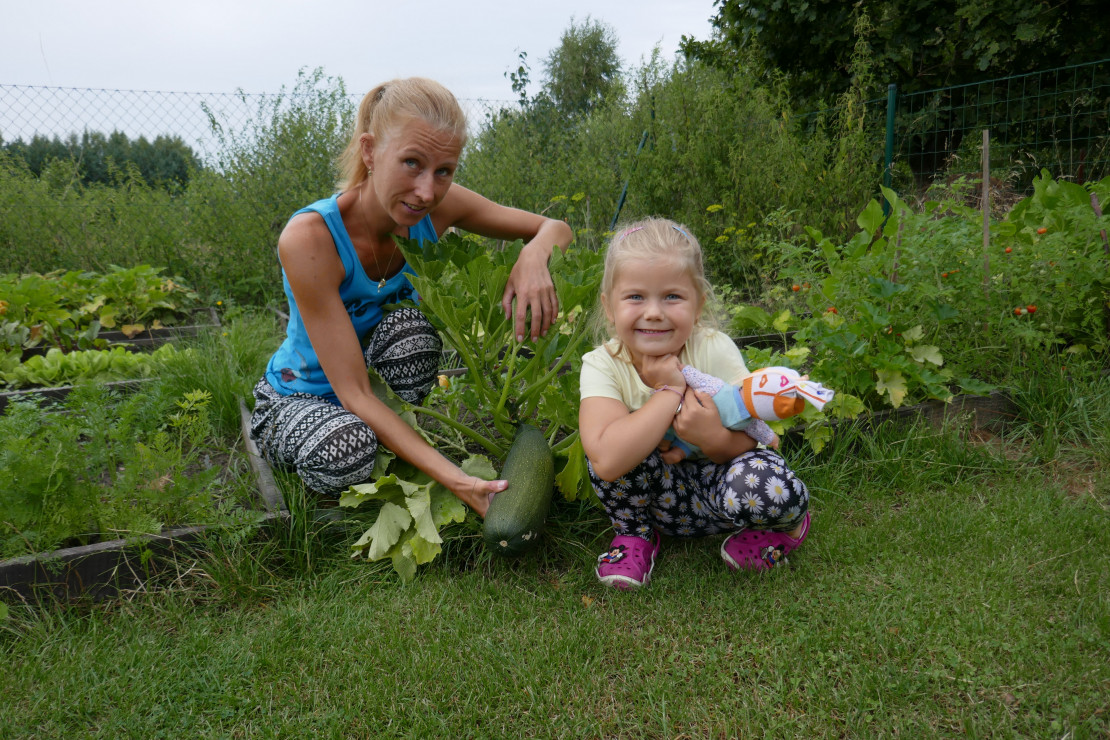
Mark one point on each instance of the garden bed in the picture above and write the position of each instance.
(106, 569)
(60, 393)
(198, 321)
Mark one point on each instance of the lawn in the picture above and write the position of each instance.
(954, 584)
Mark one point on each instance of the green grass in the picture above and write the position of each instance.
(955, 584)
(948, 591)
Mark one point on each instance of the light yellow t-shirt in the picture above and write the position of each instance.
(708, 350)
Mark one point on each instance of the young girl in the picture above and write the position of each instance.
(653, 295)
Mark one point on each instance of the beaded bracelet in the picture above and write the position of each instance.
(681, 396)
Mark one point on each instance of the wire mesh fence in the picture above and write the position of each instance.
(1056, 119)
(29, 111)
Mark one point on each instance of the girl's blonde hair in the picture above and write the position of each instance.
(651, 239)
(386, 108)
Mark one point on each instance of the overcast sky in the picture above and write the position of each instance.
(210, 46)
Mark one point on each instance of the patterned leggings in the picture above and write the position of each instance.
(694, 498)
(329, 447)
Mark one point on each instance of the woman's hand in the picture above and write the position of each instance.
(477, 493)
(530, 285)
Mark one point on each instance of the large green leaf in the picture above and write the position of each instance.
(392, 522)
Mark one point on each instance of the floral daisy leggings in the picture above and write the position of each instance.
(694, 498)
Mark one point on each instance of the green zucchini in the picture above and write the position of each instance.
(516, 516)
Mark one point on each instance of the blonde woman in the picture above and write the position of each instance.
(314, 410)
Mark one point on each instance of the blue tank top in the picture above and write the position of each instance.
(294, 368)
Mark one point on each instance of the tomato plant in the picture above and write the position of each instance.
(919, 277)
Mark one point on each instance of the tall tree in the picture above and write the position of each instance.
(918, 44)
(164, 163)
(584, 71)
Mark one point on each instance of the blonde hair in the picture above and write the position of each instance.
(386, 108)
(651, 239)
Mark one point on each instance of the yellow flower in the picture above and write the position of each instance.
(443, 383)
(715, 207)
(219, 303)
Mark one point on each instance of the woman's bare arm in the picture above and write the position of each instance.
(530, 281)
(314, 271)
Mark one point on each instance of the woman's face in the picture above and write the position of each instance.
(412, 170)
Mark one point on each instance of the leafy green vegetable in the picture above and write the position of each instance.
(57, 368)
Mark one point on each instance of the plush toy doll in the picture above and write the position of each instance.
(768, 394)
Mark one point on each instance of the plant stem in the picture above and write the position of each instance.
(508, 379)
(529, 395)
(566, 443)
(489, 446)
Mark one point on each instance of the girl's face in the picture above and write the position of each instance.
(654, 306)
(413, 169)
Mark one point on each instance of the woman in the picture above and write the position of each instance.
(314, 411)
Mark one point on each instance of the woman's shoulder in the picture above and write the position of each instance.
(304, 230)
(309, 224)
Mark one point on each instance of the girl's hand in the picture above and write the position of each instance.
(477, 493)
(662, 370)
(698, 422)
(671, 454)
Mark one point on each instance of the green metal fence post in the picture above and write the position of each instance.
(624, 190)
(888, 159)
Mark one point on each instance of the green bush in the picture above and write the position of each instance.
(282, 159)
(913, 307)
(719, 152)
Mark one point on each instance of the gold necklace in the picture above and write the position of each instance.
(366, 226)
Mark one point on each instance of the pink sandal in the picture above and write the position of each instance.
(628, 563)
(761, 549)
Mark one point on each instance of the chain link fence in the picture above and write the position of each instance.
(1057, 120)
(27, 111)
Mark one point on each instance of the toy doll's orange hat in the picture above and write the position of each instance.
(775, 393)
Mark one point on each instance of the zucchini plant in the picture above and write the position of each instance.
(500, 385)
